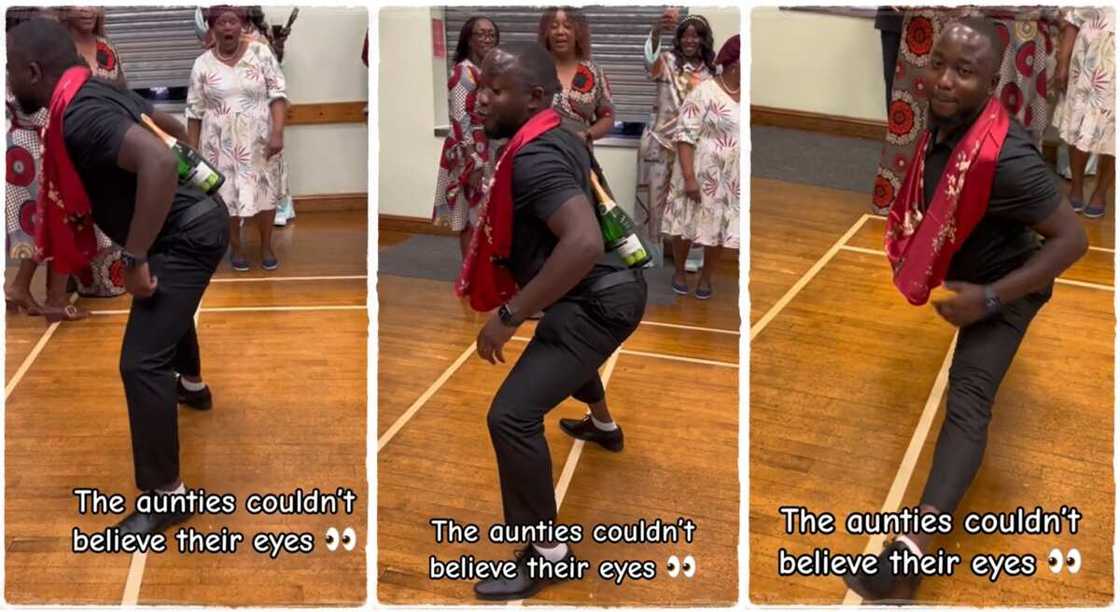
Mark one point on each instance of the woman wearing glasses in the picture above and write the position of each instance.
(468, 157)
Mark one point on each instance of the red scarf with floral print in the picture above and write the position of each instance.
(64, 231)
(485, 276)
(922, 240)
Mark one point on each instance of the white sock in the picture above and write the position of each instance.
(910, 544)
(601, 426)
(192, 386)
(554, 554)
(181, 490)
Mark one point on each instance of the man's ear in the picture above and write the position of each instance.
(35, 72)
(538, 98)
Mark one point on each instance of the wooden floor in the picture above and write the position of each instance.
(674, 390)
(285, 354)
(841, 369)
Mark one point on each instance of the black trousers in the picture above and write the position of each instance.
(575, 336)
(160, 340)
(983, 355)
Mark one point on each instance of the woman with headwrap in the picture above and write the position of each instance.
(677, 72)
(703, 202)
(236, 107)
(468, 157)
(585, 103)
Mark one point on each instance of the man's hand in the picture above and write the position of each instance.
(964, 308)
(139, 281)
(492, 337)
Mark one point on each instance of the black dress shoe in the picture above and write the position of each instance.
(586, 430)
(199, 400)
(151, 522)
(521, 586)
(882, 586)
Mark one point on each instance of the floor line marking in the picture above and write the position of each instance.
(424, 397)
(266, 279)
(33, 355)
(255, 309)
(713, 330)
(805, 278)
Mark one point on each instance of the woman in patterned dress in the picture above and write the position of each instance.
(105, 275)
(704, 189)
(235, 117)
(468, 157)
(1030, 40)
(1086, 112)
(585, 103)
(677, 72)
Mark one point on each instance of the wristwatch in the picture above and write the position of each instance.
(508, 316)
(991, 301)
(131, 261)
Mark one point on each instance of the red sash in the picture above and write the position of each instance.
(921, 243)
(64, 234)
(485, 276)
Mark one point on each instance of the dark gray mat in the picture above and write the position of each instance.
(816, 159)
(437, 258)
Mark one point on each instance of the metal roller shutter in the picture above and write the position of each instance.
(618, 35)
(157, 45)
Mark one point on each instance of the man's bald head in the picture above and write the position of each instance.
(39, 51)
(985, 29)
(530, 64)
(45, 42)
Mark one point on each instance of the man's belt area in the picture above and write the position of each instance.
(197, 210)
(614, 279)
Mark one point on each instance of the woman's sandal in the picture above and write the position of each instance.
(1094, 212)
(69, 312)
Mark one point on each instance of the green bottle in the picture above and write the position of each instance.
(194, 170)
(618, 229)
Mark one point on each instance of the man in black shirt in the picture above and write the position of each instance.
(1001, 275)
(173, 237)
(591, 304)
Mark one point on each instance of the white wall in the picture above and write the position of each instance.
(411, 83)
(818, 63)
(322, 63)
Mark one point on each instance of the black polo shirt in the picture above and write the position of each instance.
(93, 128)
(1024, 193)
(548, 172)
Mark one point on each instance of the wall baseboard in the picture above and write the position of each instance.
(835, 125)
(411, 225)
(331, 202)
(850, 127)
(327, 112)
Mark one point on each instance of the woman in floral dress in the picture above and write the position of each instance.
(1030, 36)
(677, 71)
(704, 189)
(235, 117)
(585, 104)
(1086, 113)
(468, 157)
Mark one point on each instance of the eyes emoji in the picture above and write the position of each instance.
(687, 566)
(1072, 560)
(347, 538)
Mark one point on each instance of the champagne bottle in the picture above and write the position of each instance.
(194, 170)
(618, 229)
